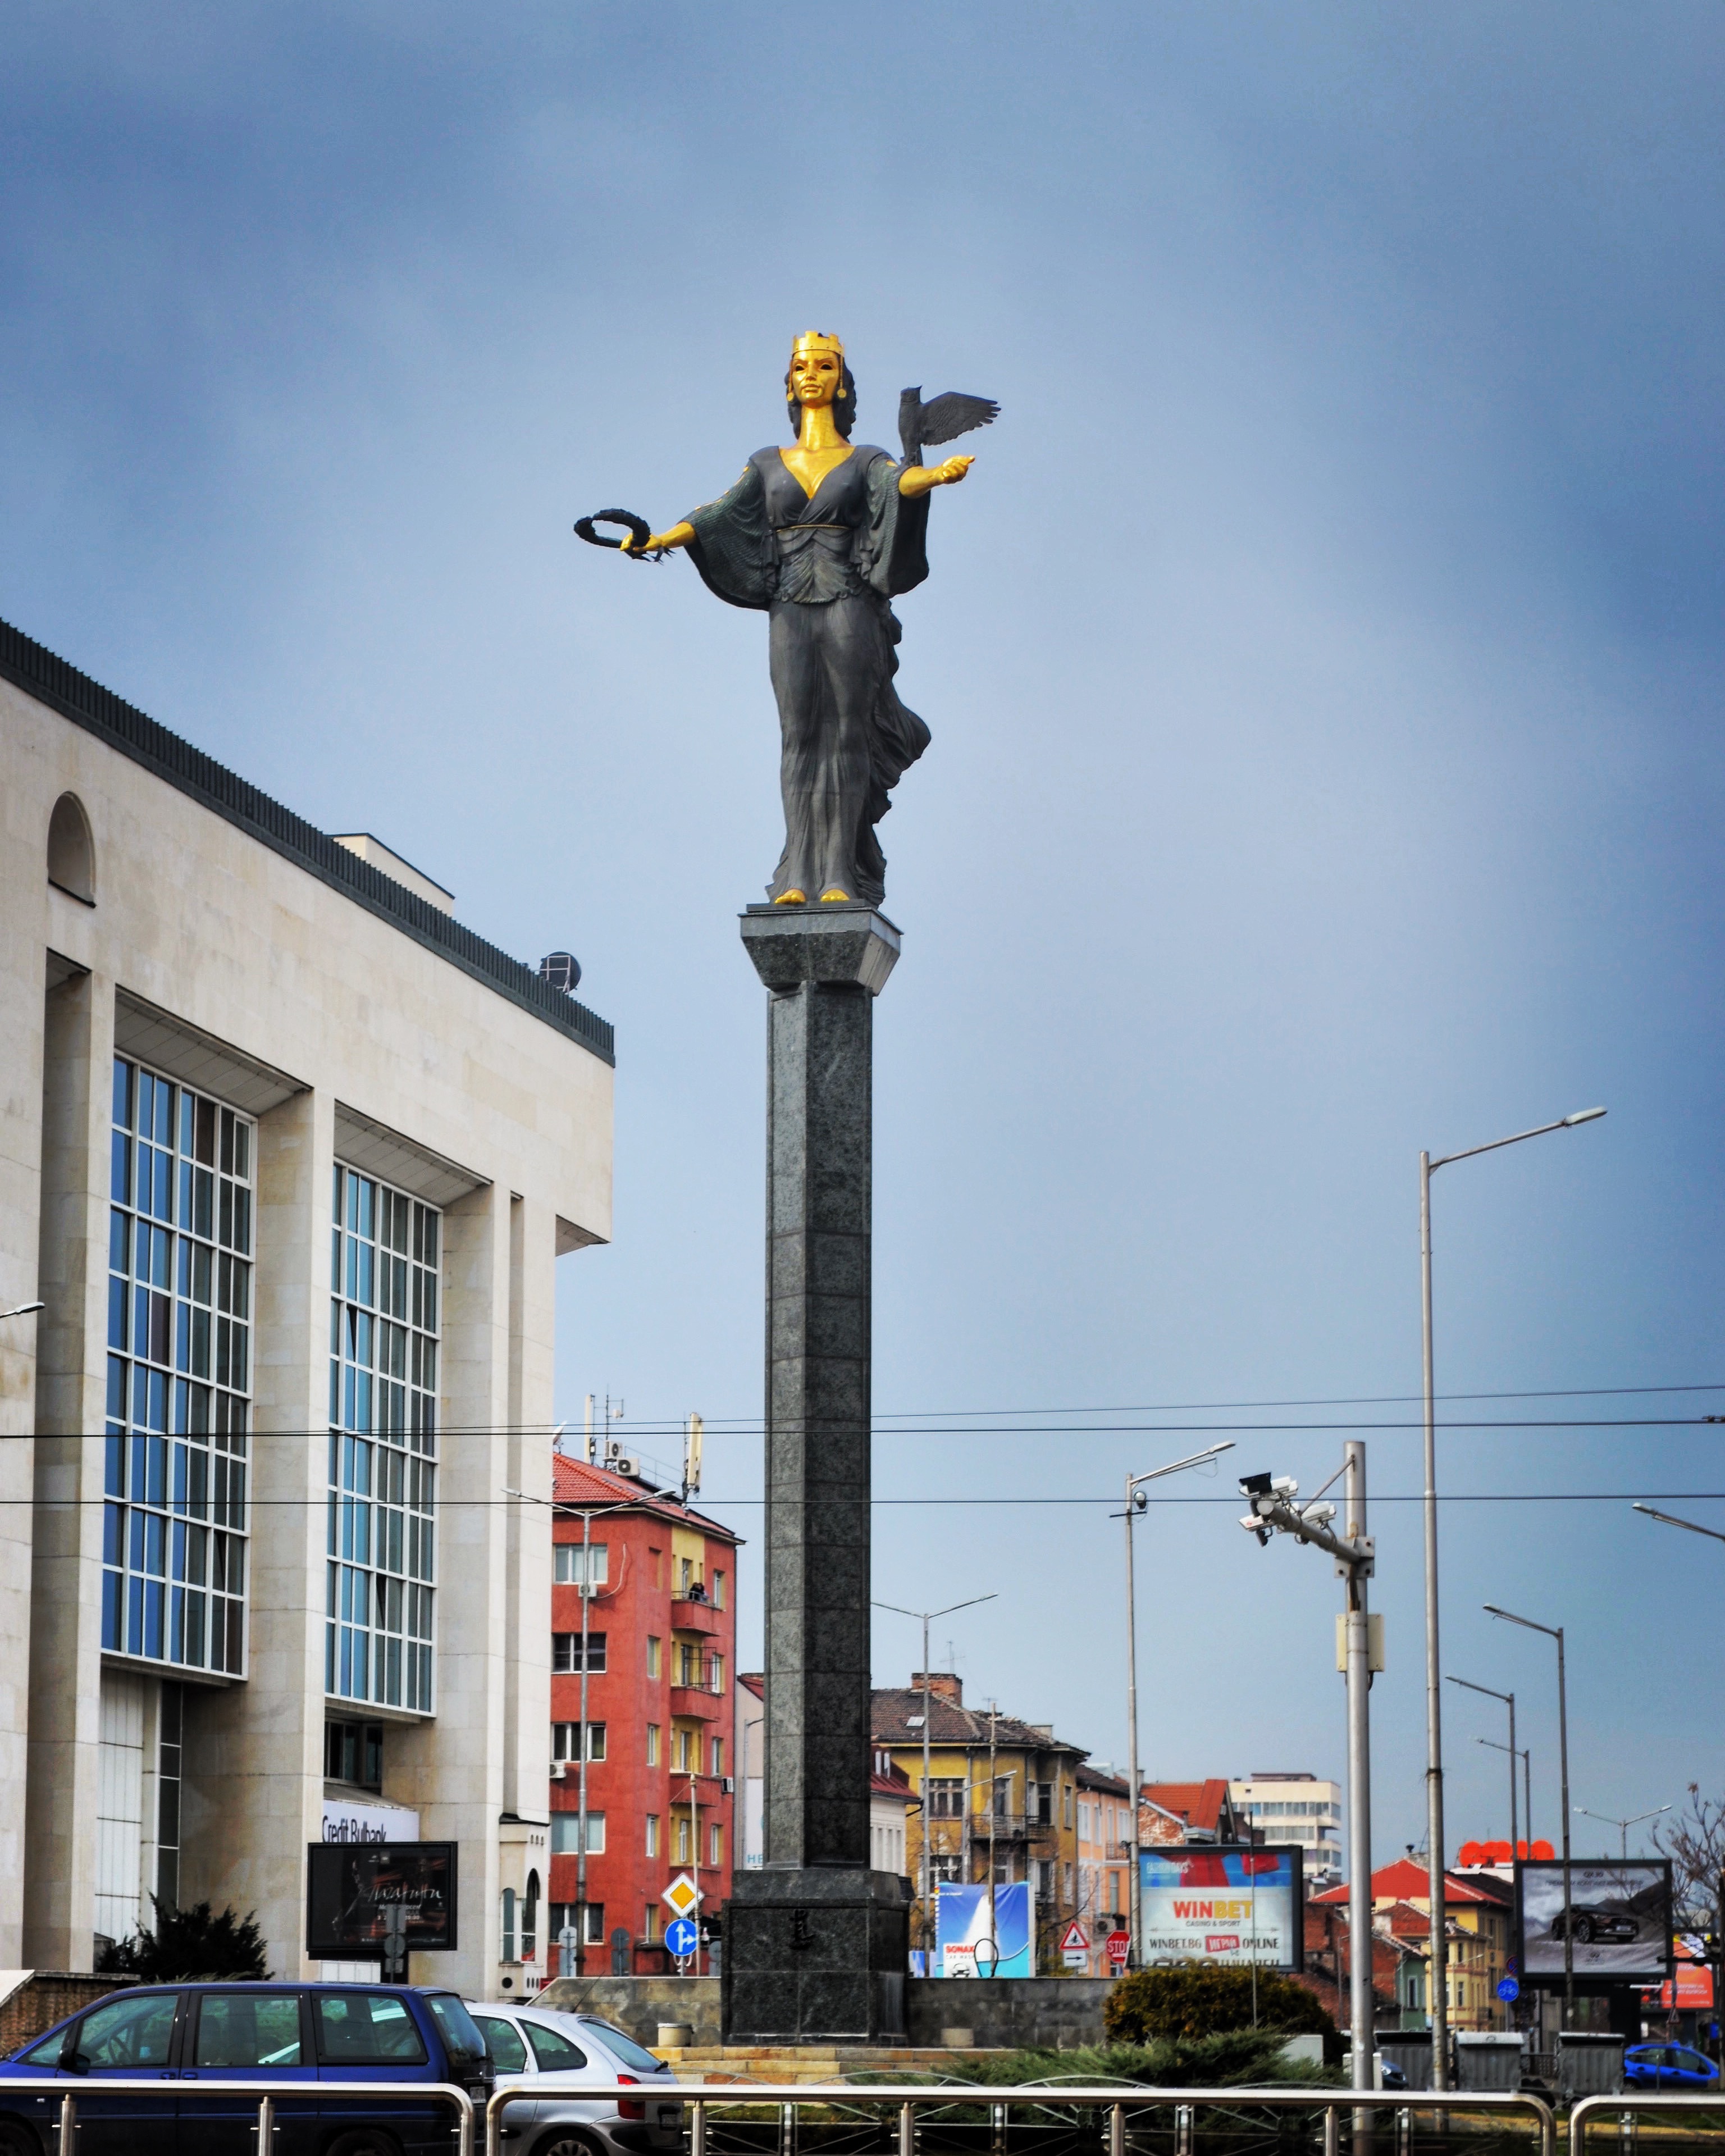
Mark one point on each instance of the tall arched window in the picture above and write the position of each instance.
(71, 850)
(530, 1919)
(508, 1951)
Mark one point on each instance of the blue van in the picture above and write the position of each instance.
(310, 2037)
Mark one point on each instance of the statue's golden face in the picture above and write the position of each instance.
(816, 376)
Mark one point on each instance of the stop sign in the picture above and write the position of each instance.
(1119, 1946)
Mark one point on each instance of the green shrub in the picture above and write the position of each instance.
(188, 1945)
(1197, 1999)
(1229, 2059)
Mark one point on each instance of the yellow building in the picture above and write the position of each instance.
(1476, 1929)
(997, 1788)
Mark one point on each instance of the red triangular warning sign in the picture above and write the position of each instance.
(1075, 1940)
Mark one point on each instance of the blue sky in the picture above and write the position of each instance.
(1323, 664)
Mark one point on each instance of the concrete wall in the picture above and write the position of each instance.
(266, 961)
(1007, 2012)
(639, 2004)
(1001, 2013)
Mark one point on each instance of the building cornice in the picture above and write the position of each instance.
(51, 680)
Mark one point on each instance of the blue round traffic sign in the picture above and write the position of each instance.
(1509, 1989)
(681, 1938)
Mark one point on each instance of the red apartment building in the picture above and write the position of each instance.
(661, 1635)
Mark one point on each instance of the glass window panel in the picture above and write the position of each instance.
(160, 1326)
(383, 1376)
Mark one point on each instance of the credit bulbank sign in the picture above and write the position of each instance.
(1236, 1906)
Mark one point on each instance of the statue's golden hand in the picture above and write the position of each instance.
(922, 479)
(680, 535)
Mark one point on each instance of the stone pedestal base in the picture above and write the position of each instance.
(816, 1956)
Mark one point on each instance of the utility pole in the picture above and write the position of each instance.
(926, 1617)
(586, 1741)
(1273, 1510)
(1556, 1632)
(1433, 1687)
(993, 1808)
(584, 1587)
(1362, 2011)
(1136, 1502)
(1509, 1701)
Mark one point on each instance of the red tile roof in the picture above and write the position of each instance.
(1199, 1804)
(580, 1482)
(1406, 1880)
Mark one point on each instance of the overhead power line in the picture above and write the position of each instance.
(1112, 1497)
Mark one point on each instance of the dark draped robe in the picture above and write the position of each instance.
(823, 569)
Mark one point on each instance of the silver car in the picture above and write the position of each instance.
(540, 2051)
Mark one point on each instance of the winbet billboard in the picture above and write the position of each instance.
(1239, 1907)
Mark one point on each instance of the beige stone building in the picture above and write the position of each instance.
(290, 1157)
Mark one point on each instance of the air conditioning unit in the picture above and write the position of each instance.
(730, 1785)
(559, 1768)
(620, 1464)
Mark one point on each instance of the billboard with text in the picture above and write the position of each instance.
(966, 1944)
(357, 1893)
(1618, 1921)
(1235, 1906)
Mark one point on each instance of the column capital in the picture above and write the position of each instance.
(832, 946)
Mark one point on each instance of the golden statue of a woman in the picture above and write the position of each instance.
(822, 537)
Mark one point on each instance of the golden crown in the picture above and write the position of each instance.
(816, 340)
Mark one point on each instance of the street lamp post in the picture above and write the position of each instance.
(926, 1617)
(1672, 1520)
(1275, 1511)
(1526, 1755)
(1622, 1825)
(23, 1309)
(1509, 1699)
(1434, 1686)
(1556, 1632)
(588, 1514)
(1136, 1502)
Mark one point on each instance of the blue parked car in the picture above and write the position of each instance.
(1667, 2066)
(309, 2037)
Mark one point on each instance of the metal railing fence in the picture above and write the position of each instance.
(1621, 2108)
(173, 2087)
(699, 2098)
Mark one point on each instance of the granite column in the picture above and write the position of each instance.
(817, 1943)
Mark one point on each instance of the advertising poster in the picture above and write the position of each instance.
(1619, 1920)
(1233, 1905)
(962, 1945)
(352, 1889)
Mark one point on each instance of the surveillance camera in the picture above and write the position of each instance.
(1140, 1501)
(1254, 1526)
(1319, 1515)
(1284, 1486)
(1254, 1486)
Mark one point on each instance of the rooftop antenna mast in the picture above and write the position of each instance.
(691, 1457)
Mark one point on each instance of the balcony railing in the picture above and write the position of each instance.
(689, 1615)
(697, 1704)
(1008, 1826)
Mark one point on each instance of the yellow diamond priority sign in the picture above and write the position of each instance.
(683, 1896)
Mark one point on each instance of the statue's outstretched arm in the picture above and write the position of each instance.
(680, 535)
(921, 479)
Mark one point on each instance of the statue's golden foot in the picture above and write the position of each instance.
(791, 898)
(834, 897)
